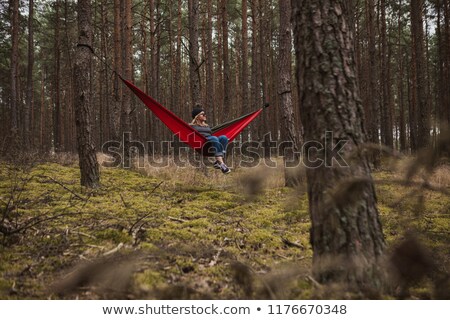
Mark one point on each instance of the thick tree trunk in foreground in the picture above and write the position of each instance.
(346, 233)
(83, 108)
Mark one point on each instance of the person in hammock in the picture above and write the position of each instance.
(218, 144)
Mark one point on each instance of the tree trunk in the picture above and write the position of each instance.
(83, 107)
(210, 97)
(255, 80)
(14, 72)
(29, 95)
(58, 114)
(108, 100)
(226, 61)
(346, 233)
(177, 76)
(423, 128)
(125, 117)
(386, 132)
(289, 132)
(69, 114)
(412, 107)
(244, 65)
(114, 115)
(447, 60)
(400, 93)
(219, 71)
(443, 35)
(194, 73)
(264, 25)
(372, 110)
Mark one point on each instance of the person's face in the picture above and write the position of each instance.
(202, 116)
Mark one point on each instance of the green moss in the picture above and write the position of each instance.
(113, 235)
(5, 287)
(180, 227)
(148, 279)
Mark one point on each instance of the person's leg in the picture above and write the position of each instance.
(223, 140)
(216, 147)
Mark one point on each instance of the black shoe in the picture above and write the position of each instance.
(225, 169)
(216, 165)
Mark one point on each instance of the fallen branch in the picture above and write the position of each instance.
(35, 221)
(66, 188)
(177, 219)
(123, 201)
(114, 250)
(154, 189)
(313, 281)
(292, 244)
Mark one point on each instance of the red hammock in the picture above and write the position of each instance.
(184, 131)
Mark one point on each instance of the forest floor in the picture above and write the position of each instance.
(174, 233)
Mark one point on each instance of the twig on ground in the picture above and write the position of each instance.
(154, 189)
(123, 201)
(177, 219)
(313, 281)
(292, 244)
(65, 188)
(114, 250)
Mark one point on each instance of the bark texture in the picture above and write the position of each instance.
(83, 107)
(346, 233)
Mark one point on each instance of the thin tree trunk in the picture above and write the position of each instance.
(125, 118)
(386, 82)
(157, 56)
(68, 119)
(244, 64)
(423, 128)
(447, 54)
(447, 60)
(346, 234)
(400, 77)
(255, 81)
(145, 114)
(194, 78)
(83, 106)
(14, 72)
(29, 96)
(226, 61)
(219, 71)
(373, 88)
(58, 113)
(177, 80)
(114, 119)
(108, 102)
(210, 94)
(152, 48)
(289, 132)
(264, 23)
(42, 116)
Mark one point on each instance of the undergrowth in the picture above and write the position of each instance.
(176, 233)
